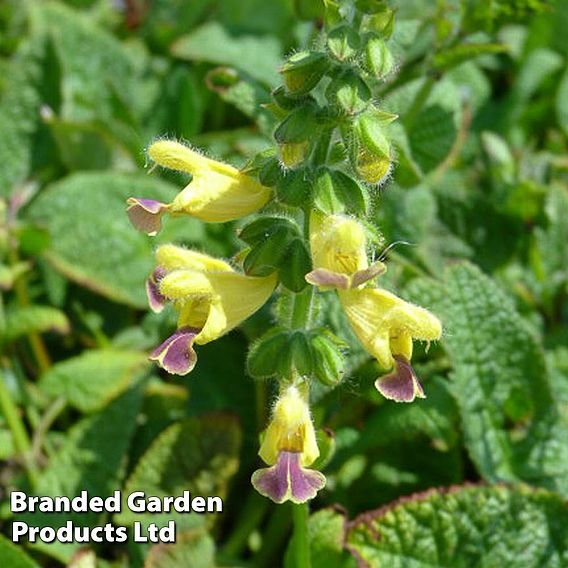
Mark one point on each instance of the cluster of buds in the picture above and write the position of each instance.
(316, 238)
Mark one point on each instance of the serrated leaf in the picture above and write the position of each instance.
(513, 428)
(198, 454)
(464, 527)
(33, 319)
(92, 240)
(193, 548)
(431, 136)
(435, 417)
(13, 556)
(90, 380)
(259, 56)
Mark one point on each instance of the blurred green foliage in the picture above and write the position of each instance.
(480, 192)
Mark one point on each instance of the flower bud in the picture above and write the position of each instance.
(303, 71)
(293, 188)
(343, 42)
(284, 100)
(370, 150)
(328, 361)
(292, 155)
(293, 135)
(263, 360)
(297, 264)
(298, 126)
(299, 355)
(378, 59)
(348, 93)
(335, 192)
(265, 257)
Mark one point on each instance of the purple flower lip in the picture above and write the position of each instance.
(176, 354)
(402, 384)
(146, 214)
(156, 299)
(288, 480)
(328, 278)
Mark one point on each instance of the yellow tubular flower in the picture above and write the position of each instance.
(289, 446)
(385, 324)
(211, 299)
(217, 192)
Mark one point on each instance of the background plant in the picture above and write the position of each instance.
(479, 190)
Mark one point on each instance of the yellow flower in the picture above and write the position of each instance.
(289, 446)
(217, 192)
(385, 324)
(209, 295)
(290, 429)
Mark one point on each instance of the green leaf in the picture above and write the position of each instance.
(198, 454)
(326, 535)
(435, 417)
(538, 66)
(453, 56)
(193, 548)
(464, 527)
(19, 113)
(259, 56)
(95, 68)
(90, 380)
(92, 457)
(13, 556)
(34, 319)
(326, 530)
(244, 93)
(550, 249)
(432, 136)
(92, 240)
(562, 102)
(512, 425)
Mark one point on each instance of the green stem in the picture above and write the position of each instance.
(419, 102)
(250, 517)
(300, 542)
(36, 342)
(14, 421)
(303, 308)
(45, 424)
(273, 539)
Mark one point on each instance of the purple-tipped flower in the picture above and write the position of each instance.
(156, 299)
(216, 193)
(176, 354)
(289, 446)
(401, 384)
(288, 480)
(146, 214)
(211, 298)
